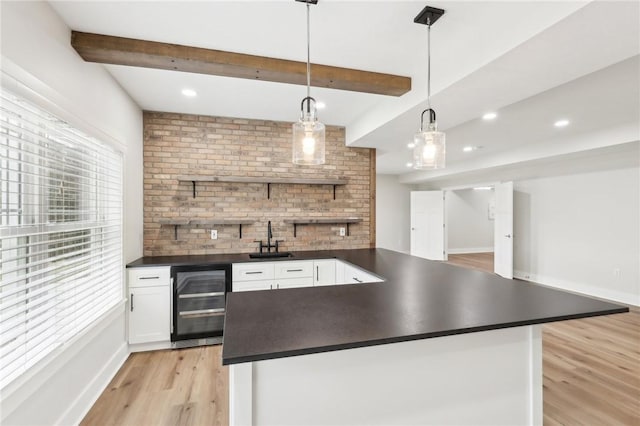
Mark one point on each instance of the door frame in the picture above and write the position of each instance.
(459, 188)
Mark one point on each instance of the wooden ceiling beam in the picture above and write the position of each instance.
(151, 54)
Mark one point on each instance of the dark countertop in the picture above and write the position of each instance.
(213, 259)
(420, 299)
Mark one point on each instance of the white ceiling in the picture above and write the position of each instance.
(532, 62)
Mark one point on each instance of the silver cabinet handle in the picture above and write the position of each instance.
(294, 270)
(191, 296)
(253, 272)
(131, 302)
(317, 273)
(357, 279)
(203, 311)
(508, 235)
(149, 278)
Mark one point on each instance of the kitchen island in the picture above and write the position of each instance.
(432, 344)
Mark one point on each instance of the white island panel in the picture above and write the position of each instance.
(484, 378)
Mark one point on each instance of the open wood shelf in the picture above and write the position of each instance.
(186, 222)
(322, 220)
(268, 180)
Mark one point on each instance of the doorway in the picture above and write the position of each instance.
(465, 220)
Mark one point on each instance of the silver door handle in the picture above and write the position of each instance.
(508, 235)
(202, 311)
(191, 296)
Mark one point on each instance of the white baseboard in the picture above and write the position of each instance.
(580, 288)
(154, 346)
(79, 408)
(470, 250)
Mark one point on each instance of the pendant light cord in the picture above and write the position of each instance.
(308, 54)
(429, 64)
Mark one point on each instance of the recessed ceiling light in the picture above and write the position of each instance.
(471, 148)
(411, 145)
(409, 164)
(489, 116)
(321, 105)
(190, 93)
(561, 123)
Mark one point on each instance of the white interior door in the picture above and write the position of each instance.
(427, 225)
(503, 230)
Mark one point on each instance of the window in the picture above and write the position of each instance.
(60, 233)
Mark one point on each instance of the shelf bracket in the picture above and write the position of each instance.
(240, 230)
(348, 233)
(295, 229)
(193, 182)
(268, 191)
(334, 192)
(175, 232)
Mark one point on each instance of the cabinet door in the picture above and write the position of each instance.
(252, 285)
(324, 272)
(149, 314)
(340, 277)
(352, 275)
(292, 283)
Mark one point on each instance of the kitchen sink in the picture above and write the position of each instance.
(268, 255)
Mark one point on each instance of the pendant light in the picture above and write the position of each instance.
(429, 149)
(308, 132)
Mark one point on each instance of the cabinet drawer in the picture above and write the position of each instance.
(295, 269)
(149, 277)
(252, 285)
(292, 283)
(252, 271)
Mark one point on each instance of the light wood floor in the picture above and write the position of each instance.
(591, 366)
(591, 376)
(173, 387)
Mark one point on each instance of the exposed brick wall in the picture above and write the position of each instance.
(180, 144)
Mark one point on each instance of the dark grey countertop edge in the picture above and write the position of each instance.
(217, 259)
(399, 339)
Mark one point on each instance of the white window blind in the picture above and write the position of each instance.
(60, 233)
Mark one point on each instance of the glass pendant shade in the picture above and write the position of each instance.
(308, 141)
(308, 132)
(430, 149)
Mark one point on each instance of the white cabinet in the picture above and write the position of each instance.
(282, 283)
(324, 272)
(149, 304)
(350, 274)
(252, 271)
(293, 269)
(272, 275)
(297, 273)
(252, 285)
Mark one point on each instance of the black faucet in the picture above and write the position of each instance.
(268, 246)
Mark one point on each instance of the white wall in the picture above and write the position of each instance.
(575, 231)
(36, 50)
(393, 216)
(470, 229)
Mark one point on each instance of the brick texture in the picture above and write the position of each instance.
(179, 144)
